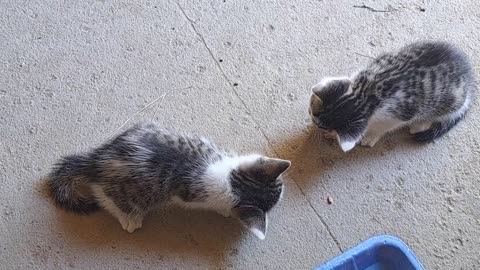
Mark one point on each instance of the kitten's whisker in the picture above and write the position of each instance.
(289, 182)
(364, 55)
(317, 135)
(158, 106)
(162, 97)
(312, 135)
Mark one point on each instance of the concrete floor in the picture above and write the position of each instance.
(72, 72)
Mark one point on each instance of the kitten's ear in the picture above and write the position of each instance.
(274, 167)
(254, 219)
(265, 168)
(338, 84)
(316, 104)
(347, 143)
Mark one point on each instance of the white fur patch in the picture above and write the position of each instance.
(110, 206)
(347, 145)
(247, 160)
(466, 105)
(216, 181)
(325, 81)
(258, 233)
(378, 125)
(420, 127)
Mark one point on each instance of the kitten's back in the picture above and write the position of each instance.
(424, 79)
(145, 164)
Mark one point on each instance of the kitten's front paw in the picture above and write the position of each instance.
(123, 221)
(134, 223)
(369, 141)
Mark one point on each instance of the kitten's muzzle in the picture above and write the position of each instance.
(329, 134)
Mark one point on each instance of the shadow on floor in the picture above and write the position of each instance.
(313, 156)
(171, 232)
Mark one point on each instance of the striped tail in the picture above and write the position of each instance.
(437, 130)
(69, 185)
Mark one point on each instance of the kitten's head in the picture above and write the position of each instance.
(258, 186)
(335, 108)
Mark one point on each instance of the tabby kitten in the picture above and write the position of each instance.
(427, 86)
(147, 167)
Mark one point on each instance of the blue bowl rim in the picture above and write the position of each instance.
(372, 242)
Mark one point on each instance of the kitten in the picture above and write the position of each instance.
(147, 167)
(428, 86)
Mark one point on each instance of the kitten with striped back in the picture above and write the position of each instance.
(427, 86)
(147, 167)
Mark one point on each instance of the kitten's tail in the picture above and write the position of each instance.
(437, 129)
(69, 185)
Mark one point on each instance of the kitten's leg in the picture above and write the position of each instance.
(134, 222)
(378, 129)
(108, 204)
(420, 126)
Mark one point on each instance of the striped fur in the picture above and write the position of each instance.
(428, 86)
(148, 167)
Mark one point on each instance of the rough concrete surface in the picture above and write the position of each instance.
(71, 72)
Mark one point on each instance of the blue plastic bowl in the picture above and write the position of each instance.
(377, 253)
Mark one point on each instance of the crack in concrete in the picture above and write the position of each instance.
(192, 24)
(321, 219)
(249, 112)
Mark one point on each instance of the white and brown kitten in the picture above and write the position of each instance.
(148, 167)
(427, 86)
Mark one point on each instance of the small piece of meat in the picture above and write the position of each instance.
(329, 200)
